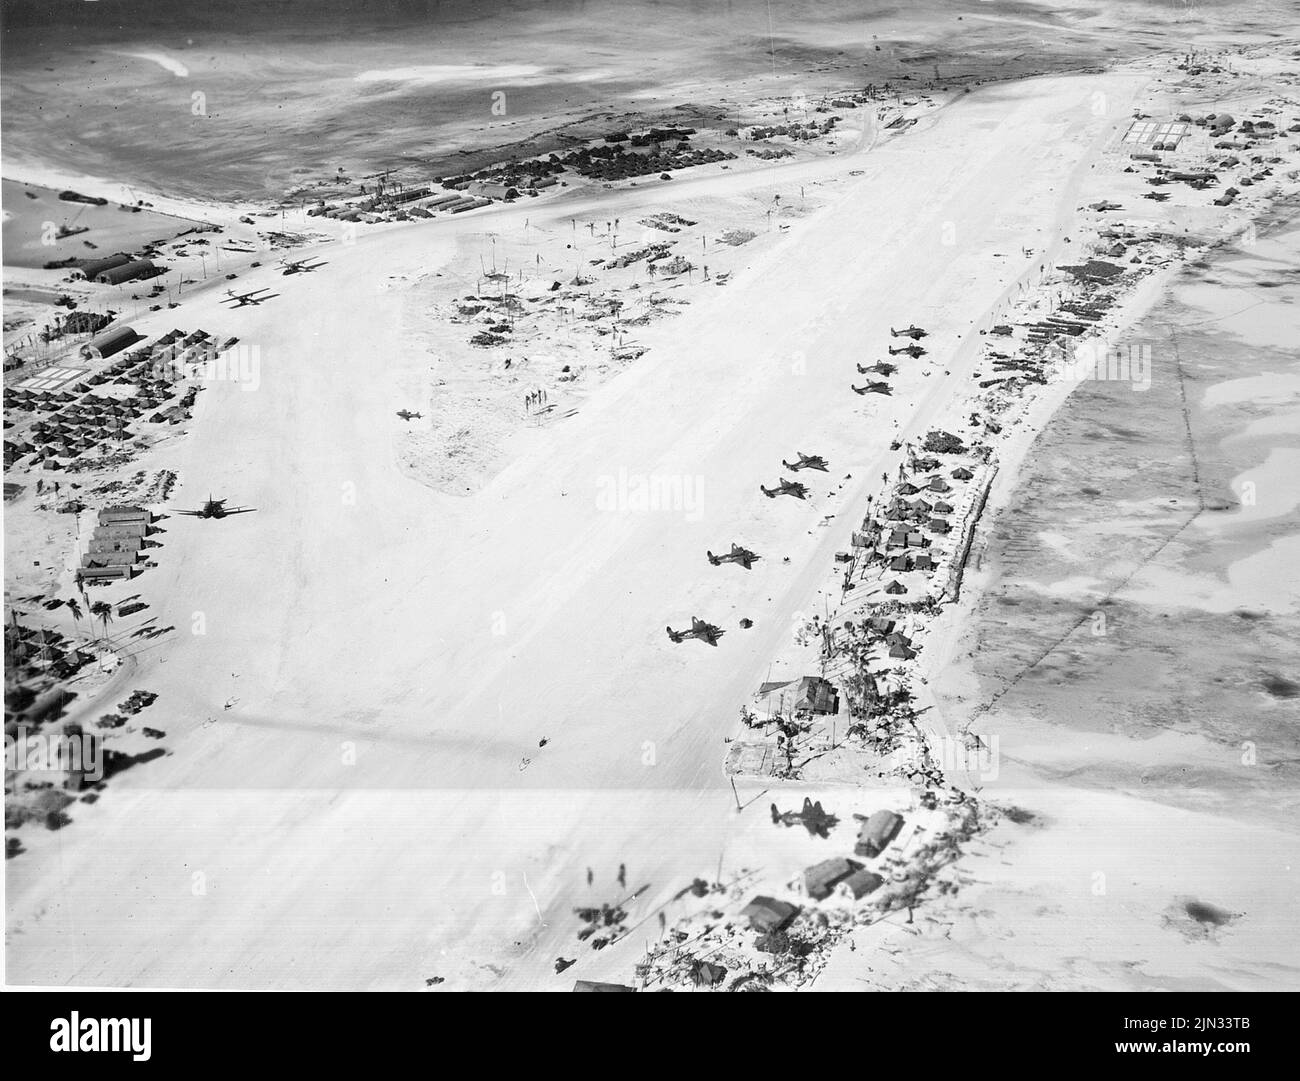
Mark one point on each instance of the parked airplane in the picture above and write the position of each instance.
(299, 266)
(240, 299)
(814, 818)
(406, 414)
(912, 332)
(881, 367)
(912, 350)
(786, 487)
(740, 555)
(871, 388)
(705, 632)
(216, 508)
(806, 461)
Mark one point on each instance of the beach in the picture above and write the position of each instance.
(247, 107)
(415, 694)
(1198, 608)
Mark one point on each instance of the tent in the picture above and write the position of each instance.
(858, 885)
(820, 880)
(816, 695)
(705, 974)
(767, 914)
(877, 832)
(811, 694)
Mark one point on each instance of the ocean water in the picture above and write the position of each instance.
(241, 99)
(1145, 579)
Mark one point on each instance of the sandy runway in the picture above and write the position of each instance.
(395, 656)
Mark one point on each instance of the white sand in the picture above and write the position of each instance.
(360, 817)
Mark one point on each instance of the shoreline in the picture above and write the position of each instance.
(1076, 779)
(1032, 420)
(52, 178)
(579, 559)
(756, 99)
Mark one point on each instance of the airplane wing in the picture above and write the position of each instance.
(195, 513)
(241, 510)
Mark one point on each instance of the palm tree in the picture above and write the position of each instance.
(104, 611)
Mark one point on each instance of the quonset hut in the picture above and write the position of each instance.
(111, 341)
(93, 268)
(128, 271)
